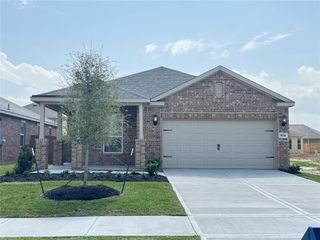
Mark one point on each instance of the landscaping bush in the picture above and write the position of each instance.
(25, 160)
(81, 192)
(294, 168)
(153, 166)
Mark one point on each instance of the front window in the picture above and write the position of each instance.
(299, 144)
(22, 133)
(115, 140)
(290, 144)
(50, 131)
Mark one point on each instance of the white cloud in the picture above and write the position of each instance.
(27, 79)
(183, 46)
(309, 73)
(218, 55)
(305, 93)
(263, 39)
(24, 2)
(151, 48)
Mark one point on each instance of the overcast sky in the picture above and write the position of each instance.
(276, 44)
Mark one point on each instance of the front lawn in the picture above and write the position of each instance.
(139, 198)
(306, 163)
(110, 238)
(6, 168)
(309, 176)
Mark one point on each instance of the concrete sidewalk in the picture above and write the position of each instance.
(96, 226)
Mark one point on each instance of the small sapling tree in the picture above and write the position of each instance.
(91, 101)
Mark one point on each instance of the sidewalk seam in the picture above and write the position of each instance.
(94, 222)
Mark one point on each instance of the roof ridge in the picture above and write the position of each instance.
(129, 75)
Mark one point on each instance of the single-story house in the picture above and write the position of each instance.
(303, 139)
(50, 114)
(19, 126)
(218, 119)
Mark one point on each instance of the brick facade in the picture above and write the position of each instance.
(199, 101)
(11, 132)
(42, 153)
(97, 157)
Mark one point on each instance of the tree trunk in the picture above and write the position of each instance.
(86, 167)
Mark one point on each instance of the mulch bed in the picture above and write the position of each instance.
(33, 177)
(80, 193)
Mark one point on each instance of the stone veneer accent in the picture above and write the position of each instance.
(77, 156)
(57, 152)
(42, 153)
(140, 158)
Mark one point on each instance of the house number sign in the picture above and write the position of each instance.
(283, 135)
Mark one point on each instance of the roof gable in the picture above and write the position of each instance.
(233, 74)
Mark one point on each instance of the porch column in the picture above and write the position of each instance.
(42, 143)
(141, 122)
(57, 150)
(59, 127)
(42, 119)
(140, 148)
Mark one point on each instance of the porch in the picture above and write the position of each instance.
(131, 151)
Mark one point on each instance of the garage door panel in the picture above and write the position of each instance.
(243, 144)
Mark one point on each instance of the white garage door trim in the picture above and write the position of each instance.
(219, 144)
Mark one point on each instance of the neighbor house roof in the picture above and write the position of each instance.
(301, 130)
(9, 108)
(50, 114)
(156, 84)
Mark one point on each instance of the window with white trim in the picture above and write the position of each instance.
(299, 144)
(115, 140)
(22, 135)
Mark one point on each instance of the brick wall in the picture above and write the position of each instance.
(199, 101)
(11, 131)
(97, 157)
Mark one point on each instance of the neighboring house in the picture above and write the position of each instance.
(50, 114)
(18, 126)
(218, 119)
(303, 139)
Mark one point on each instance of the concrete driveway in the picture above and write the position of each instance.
(247, 204)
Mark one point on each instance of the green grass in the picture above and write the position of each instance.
(139, 198)
(110, 238)
(306, 163)
(5, 168)
(309, 176)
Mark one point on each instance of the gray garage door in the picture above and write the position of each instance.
(219, 144)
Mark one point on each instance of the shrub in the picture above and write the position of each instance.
(25, 160)
(9, 173)
(152, 167)
(47, 174)
(64, 173)
(294, 168)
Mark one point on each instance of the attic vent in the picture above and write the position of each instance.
(219, 89)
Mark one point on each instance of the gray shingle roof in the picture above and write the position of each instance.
(50, 114)
(301, 130)
(152, 83)
(9, 108)
(143, 85)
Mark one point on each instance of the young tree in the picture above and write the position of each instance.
(91, 101)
